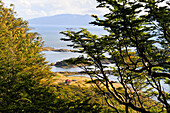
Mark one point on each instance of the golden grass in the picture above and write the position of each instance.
(79, 81)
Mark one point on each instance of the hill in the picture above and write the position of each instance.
(63, 19)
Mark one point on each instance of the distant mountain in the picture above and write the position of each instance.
(63, 19)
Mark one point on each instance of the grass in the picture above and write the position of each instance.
(84, 87)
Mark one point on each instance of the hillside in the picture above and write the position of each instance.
(63, 19)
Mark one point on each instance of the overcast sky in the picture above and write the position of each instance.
(38, 8)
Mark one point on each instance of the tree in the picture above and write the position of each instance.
(22, 67)
(138, 47)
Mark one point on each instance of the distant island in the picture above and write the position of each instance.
(63, 19)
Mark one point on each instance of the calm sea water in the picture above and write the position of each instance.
(51, 37)
(51, 33)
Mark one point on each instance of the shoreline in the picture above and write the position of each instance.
(56, 50)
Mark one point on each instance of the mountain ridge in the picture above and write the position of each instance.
(63, 19)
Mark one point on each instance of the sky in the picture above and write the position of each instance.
(28, 9)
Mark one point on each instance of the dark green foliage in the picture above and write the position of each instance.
(78, 106)
(75, 99)
(138, 45)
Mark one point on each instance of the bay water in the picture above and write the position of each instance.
(51, 37)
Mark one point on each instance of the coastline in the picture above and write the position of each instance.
(56, 50)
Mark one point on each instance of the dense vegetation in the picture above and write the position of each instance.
(138, 45)
(26, 79)
(21, 67)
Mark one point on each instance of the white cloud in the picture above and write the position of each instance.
(42, 5)
(37, 8)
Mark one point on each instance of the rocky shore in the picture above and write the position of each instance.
(66, 63)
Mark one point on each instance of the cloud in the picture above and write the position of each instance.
(38, 8)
